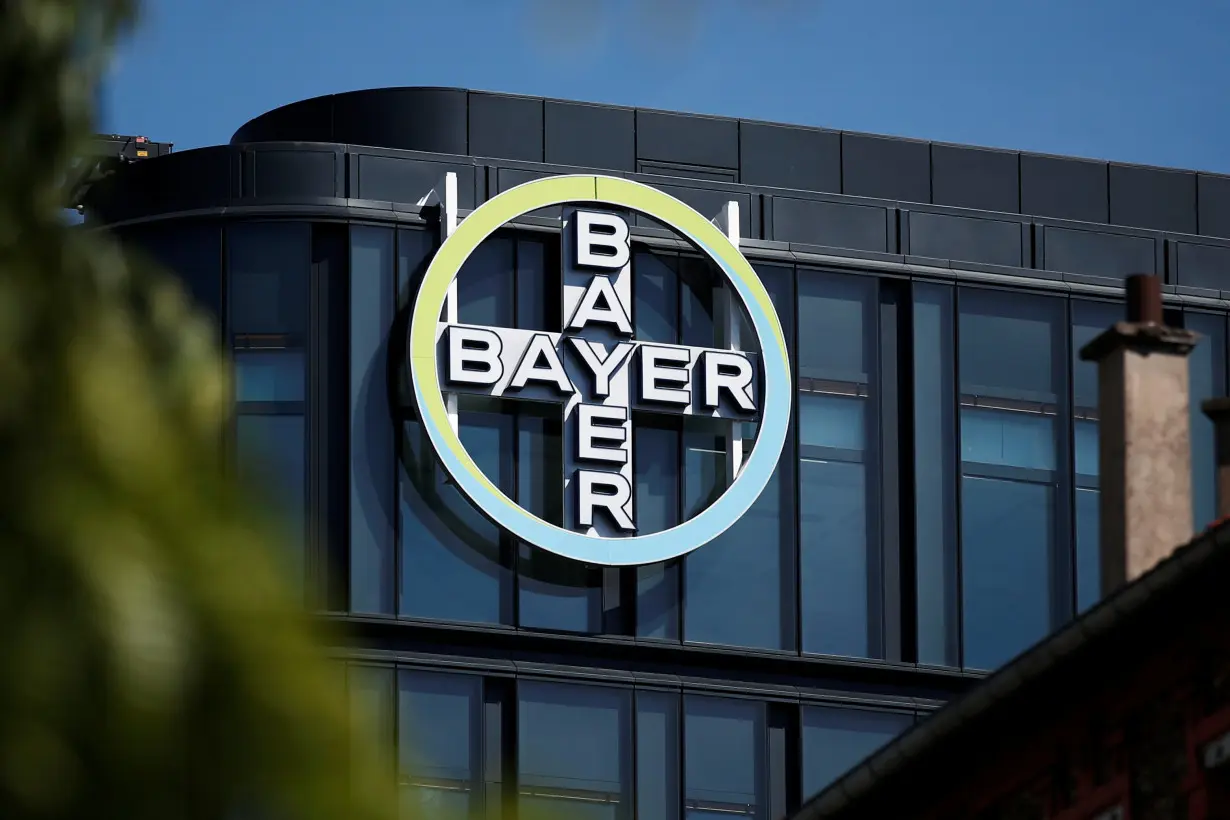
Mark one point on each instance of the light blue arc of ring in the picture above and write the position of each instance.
(738, 498)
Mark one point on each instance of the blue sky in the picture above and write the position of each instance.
(1127, 80)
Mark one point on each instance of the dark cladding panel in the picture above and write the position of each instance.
(708, 202)
(1202, 266)
(991, 241)
(590, 136)
(506, 127)
(294, 174)
(687, 139)
(200, 178)
(392, 179)
(415, 119)
(1063, 188)
(303, 121)
(807, 159)
(885, 168)
(1153, 198)
(859, 227)
(1214, 198)
(975, 178)
(1097, 254)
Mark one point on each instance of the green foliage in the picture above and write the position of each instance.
(152, 663)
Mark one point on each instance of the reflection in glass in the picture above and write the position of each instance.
(655, 297)
(268, 276)
(657, 755)
(555, 592)
(835, 740)
(269, 264)
(839, 543)
(192, 251)
(373, 451)
(270, 376)
(271, 451)
(656, 458)
(724, 757)
(574, 747)
(753, 561)
(1089, 320)
(1012, 365)
(538, 287)
(371, 707)
(485, 285)
(935, 486)
(440, 744)
(698, 291)
(1207, 363)
(451, 556)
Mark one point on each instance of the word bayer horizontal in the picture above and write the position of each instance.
(668, 372)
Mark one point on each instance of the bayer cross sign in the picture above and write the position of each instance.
(598, 373)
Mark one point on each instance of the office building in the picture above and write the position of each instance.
(933, 513)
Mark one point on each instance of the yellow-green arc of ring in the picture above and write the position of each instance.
(775, 398)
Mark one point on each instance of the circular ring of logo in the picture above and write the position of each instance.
(757, 470)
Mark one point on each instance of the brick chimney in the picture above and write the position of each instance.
(1144, 436)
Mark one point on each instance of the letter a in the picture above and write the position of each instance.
(600, 304)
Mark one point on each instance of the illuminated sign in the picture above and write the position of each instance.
(597, 372)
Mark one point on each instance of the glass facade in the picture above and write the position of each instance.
(472, 745)
(936, 505)
(268, 277)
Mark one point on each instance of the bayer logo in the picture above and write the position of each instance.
(596, 373)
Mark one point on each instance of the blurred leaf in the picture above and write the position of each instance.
(156, 666)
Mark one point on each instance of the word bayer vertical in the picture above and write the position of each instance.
(597, 315)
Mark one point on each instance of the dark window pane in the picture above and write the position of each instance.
(698, 292)
(270, 376)
(556, 592)
(753, 561)
(1089, 320)
(485, 285)
(414, 249)
(656, 458)
(373, 452)
(657, 756)
(1208, 380)
(724, 757)
(371, 691)
(269, 266)
(704, 465)
(272, 455)
(574, 747)
(451, 556)
(836, 328)
(835, 740)
(1007, 529)
(1012, 345)
(840, 579)
(935, 475)
(655, 294)
(193, 252)
(1088, 550)
(840, 550)
(1013, 367)
(439, 748)
(538, 287)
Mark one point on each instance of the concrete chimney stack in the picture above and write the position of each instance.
(1144, 436)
